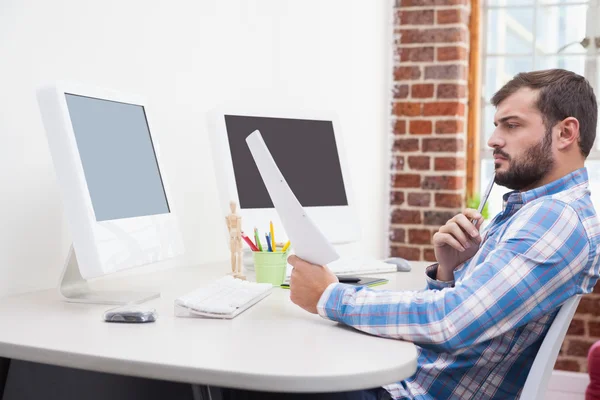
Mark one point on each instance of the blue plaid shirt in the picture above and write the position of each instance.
(477, 336)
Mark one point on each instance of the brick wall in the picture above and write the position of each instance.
(428, 122)
(583, 332)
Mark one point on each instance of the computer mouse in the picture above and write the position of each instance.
(401, 264)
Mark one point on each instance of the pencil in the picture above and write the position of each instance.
(258, 244)
(272, 236)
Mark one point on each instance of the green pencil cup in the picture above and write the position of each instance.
(269, 267)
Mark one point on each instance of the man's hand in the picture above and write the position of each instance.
(308, 282)
(456, 242)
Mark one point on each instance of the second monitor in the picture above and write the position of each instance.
(308, 149)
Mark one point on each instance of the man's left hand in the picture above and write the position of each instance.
(308, 282)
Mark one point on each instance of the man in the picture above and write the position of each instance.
(491, 297)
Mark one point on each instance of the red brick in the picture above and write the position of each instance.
(415, 53)
(406, 180)
(406, 108)
(429, 255)
(443, 183)
(577, 327)
(442, 145)
(400, 91)
(420, 127)
(406, 217)
(407, 73)
(452, 53)
(450, 126)
(397, 163)
(419, 199)
(417, 17)
(419, 162)
(422, 91)
(419, 236)
(433, 35)
(444, 108)
(446, 71)
(408, 253)
(579, 347)
(589, 304)
(421, 3)
(449, 164)
(399, 127)
(437, 218)
(567, 365)
(596, 288)
(396, 198)
(406, 145)
(397, 235)
(451, 91)
(594, 328)
(452, 16)
(448, 200)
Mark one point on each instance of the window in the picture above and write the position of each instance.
(526, 35)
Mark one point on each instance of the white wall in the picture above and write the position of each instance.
(186, 57)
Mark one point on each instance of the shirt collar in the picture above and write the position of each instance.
(575, 178)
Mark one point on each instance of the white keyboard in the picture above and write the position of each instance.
(226, 298)
(360, 266)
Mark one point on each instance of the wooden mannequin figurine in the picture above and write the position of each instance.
(234, 225)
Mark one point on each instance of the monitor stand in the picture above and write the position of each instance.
(75, 289)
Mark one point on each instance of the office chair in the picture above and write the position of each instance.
(539, 375)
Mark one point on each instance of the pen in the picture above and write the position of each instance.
(273, 247)
(486, 194)
(286, 246)
(258, 244)
(268, 242)
(247, 240)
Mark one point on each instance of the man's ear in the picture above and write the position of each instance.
(568, 134)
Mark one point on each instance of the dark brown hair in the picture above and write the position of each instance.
(562, 94)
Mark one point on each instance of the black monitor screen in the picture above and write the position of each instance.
(305, 152)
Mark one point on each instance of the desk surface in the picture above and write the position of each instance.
(273, 346)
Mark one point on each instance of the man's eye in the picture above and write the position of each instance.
(512, 126)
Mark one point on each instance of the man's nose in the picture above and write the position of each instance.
(495, 140)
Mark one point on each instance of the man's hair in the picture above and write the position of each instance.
(562, 94)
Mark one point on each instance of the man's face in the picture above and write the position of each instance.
(522, 144)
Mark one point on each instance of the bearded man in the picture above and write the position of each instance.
(492, 296)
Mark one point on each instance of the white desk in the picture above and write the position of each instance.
(273, 346)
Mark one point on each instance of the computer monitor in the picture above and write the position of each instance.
(107, 164)
(307, 148)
